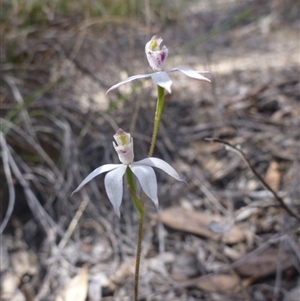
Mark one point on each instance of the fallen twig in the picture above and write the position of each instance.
(11, 189)
(229, 146)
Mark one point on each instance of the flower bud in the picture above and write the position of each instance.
(156, 57)
(124, 146)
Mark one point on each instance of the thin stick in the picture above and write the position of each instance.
(262, 181)
(43, 217)
(9, 180)
(73, 223)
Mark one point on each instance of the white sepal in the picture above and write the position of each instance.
(113, 182)
(192, 73)
(161, 164)
(96, 172)
(147, 180)
(127, 80)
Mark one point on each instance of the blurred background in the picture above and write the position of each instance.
(221, 237)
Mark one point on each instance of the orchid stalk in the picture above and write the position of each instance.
(158, 112)
(156, 56)
(141, 170)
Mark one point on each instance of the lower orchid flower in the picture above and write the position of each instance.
(156, 58)
(142, 170)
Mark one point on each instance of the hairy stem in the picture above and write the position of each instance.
(139, 205)
(139, 251)
(158, 111)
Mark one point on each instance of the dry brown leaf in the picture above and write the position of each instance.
(197, 223)
(24, 262)
(124, 271)
(76, 288)
(245, 212)
(202, 147)
(228, 284)
(264, 264)
(273, 176)
(9, 286)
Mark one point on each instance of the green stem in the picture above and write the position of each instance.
(159, 108)
(139, 205)
(139, 251)
(158, 112)
(132, 191)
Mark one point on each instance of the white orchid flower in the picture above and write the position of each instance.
(156, 57)
(142, 170)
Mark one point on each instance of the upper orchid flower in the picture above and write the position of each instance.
(141, 169)
(156, 57)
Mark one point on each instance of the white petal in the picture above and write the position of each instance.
(147, 179)
(191, 73)
(125, 152)
(114, 187)
(122, 137)
(162, 79)
(161, 164)
(96, 172)
(156, 57)
(127, 80)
